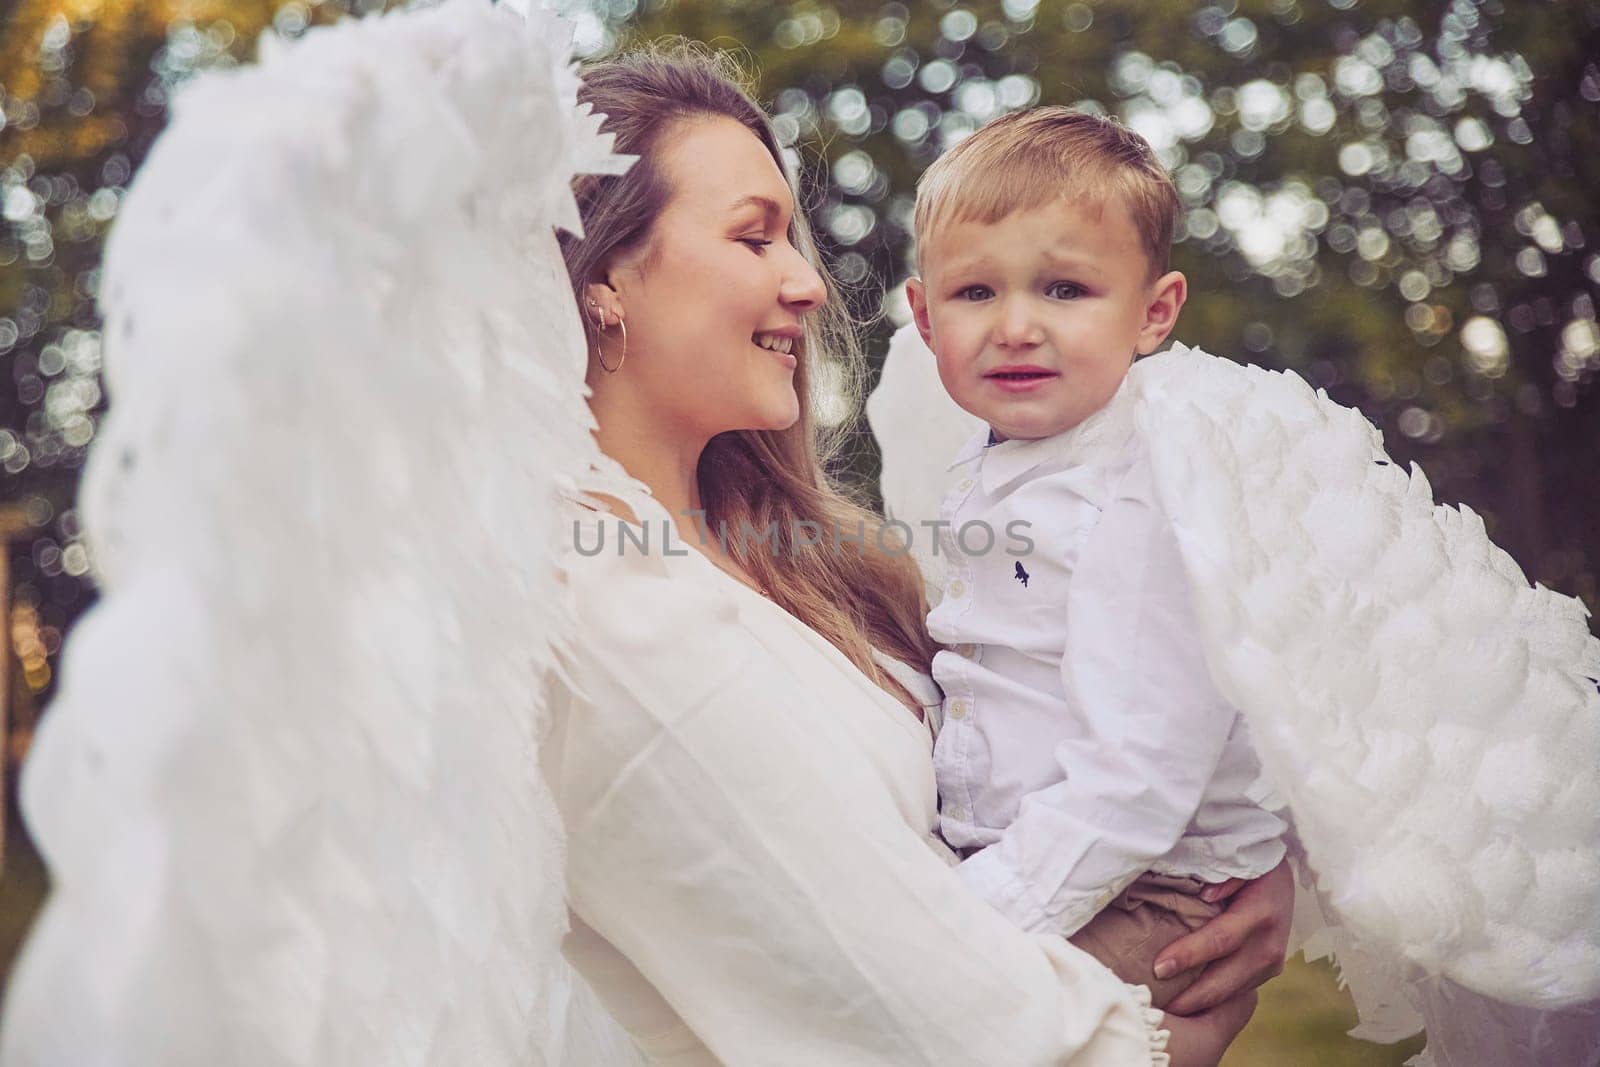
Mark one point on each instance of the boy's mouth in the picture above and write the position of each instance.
(1020, 373)
(1020, 377)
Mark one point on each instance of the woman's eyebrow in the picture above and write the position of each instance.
(768, 206)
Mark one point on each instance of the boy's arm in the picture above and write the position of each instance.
(1155, 727)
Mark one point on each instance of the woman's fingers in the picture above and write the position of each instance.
(1213, 894)
(1219, 982)
(1200, 1040)
(1244, 946)
(1216, 940)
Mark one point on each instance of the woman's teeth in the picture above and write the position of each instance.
(775, 342)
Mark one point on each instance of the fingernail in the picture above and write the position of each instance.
(1209, 895)
(1166, 968)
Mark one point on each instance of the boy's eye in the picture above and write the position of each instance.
(1064, 291)
(975, 292)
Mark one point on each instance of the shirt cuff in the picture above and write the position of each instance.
(1153, 1018)
(988, 875)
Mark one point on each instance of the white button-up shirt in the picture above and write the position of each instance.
(1082, 741)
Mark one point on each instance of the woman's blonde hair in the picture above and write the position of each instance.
(857, 587)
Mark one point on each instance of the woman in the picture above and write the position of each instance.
(753, 870)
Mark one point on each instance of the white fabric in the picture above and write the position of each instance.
(1083, 742)
(285, 791)
(1432, 721)
(752, 847)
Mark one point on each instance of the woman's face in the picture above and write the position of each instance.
(715, 296)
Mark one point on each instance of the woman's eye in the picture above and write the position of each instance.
(757, 243)
(1064, 291)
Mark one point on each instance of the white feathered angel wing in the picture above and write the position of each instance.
(919, 431)
(1432, 721)
(288, 792)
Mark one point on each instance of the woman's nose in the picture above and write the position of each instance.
(802, 288)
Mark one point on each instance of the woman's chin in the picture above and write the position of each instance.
(781, 414)
(775, 418)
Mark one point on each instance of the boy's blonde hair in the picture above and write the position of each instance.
(1027, 158)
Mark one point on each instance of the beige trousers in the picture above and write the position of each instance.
(1145, 918)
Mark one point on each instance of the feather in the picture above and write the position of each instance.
(288, 791)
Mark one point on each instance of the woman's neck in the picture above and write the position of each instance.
(665, 461)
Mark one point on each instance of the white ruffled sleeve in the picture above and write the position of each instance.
(729, 839)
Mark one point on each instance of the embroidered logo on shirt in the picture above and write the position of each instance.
(1022, 576)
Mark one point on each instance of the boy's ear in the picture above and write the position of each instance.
(1167, 295)
(917, 297)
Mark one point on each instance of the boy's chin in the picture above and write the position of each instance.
(1028, 430)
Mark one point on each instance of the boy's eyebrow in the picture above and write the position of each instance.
(1070, 258)
(959, 263)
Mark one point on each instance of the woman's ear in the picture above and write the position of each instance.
(1167, 294)
(601, 305)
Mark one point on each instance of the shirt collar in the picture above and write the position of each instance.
(1007, 461)
(972, 449)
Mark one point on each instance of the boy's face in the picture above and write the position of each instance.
(1036, 318)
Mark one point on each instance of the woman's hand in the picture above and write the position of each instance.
(1245, 945)
(1200, 1040)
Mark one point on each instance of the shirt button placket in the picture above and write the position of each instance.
(959, 708)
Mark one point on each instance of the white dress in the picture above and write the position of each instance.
(752, 860)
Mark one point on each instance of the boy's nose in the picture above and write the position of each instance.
(1017, 326)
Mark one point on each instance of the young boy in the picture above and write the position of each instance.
(1089, 773)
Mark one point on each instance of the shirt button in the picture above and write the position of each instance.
(956, 814)
(966, 483)
(958, 709)
(967, 651)
(958, 589)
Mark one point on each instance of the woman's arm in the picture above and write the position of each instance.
(755, 868)
(1245, 945)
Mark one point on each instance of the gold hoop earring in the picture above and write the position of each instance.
(599, 352)
(599, 349)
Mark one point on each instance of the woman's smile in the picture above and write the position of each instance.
(781, 344)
